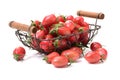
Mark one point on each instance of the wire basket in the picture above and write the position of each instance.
(34, 43)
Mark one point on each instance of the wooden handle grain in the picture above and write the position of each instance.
(90, 14)
(22, 27)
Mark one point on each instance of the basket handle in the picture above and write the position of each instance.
(90, 14)
(22, 27)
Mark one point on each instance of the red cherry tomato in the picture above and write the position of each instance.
(34, 43)
(95, 45)
(84, 37)
(75, 37)
(19, 53)
(50, 56)
(70, 17)
(49, 20)
(40, 34)
(79, 20)
(60, 44)
(92, 57)
(71, 55)
(77, 49)
(61, 18)
(49, 36)
(64, 31)
(70, 24)
(85, 24)
(60, 61)
(46, 46)
(103, 53)
(77, 26)
(37, 24)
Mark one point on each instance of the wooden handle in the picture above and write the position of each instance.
(22, 27)
(90, 14)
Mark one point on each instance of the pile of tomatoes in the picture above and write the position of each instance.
(58, 33)
(61, 39)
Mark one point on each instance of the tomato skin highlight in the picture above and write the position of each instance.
(92, 57)
(60, 62)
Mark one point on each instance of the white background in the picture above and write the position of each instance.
(33, 67)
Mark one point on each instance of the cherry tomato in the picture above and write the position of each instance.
(47, 46)
(79, 20)
(75, 37)
(49, 20)
(92, 57)
(61, 18)
(59, 29)
(77, 26)
(48, 36)
(84, 37)
(60, 44)
(70, 17)
(103, 53)
(77, 49)
(63, 31)
(71, 55)
(70, 24)
(19, 53)
(85, 24)
(40, 34)
(48, 58)
(37, 24)
(95, 45)
(34, 43)
(60, 61)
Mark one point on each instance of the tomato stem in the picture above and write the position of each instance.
(101, 60)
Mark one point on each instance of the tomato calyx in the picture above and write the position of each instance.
(61, 18)
(46, 59)
(37, 24)
(70, 61)
(55, 28)
(102, 59)
(32, 23)
(56, 43)
(16, 57)
(64, 17)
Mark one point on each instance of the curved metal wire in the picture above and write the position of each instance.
(26, 39)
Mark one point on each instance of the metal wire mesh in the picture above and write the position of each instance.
(33, 42)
